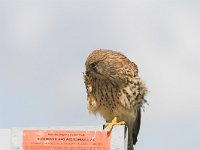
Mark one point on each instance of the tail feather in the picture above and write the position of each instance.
(136, 126)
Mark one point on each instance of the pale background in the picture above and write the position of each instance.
(44, 45)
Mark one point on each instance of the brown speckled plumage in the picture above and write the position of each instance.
(114, 89)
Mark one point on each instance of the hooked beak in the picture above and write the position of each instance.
(87, 72)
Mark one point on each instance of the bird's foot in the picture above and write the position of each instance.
(111, 124)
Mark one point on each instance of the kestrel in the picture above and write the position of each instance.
(115, 90)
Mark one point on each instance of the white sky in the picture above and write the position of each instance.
(44, 45)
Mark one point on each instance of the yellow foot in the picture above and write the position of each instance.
(111, 124)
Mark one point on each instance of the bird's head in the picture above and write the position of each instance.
(108, 64)
(97, 63)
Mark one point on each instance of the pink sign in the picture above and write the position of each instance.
(65, 140)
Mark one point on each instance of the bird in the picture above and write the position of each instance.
(115, 90)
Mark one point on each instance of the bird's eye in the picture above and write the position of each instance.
(93, 65)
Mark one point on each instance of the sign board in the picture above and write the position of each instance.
(68, 138)
(65, 140)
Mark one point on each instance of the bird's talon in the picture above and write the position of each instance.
(111, 124)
